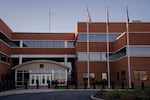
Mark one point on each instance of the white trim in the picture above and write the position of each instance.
(120, 36)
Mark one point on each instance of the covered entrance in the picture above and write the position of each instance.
(41, 70)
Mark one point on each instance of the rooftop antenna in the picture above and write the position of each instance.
(50, 19)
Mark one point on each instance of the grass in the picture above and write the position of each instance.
(137, 94)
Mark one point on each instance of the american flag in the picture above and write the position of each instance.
(88, 15)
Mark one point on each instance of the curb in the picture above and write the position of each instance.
(94, 98)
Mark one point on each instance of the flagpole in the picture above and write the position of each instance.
(88, 63)
(107, 36)
(128, 52)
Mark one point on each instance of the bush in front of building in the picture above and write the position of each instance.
(137, 94)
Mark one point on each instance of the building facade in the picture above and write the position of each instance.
(63, 56)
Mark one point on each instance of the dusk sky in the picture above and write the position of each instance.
(33, 15)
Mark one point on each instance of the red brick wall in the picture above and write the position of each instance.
(5, 29)
(5, 69)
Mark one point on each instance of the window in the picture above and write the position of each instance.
(141, 75)
(93, 56)
(94, 37)
(4, 58)
(82, 37)
(70, 44)
(104, 76)
(13, 43)
(44, 44)
(123, 75)
(139, 50)
(118, 76)
(82, 56)
(118, 54)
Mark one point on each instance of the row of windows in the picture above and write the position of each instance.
(141, 75)
(93, 56)
(39, 44)
(42, 44)
(4, 58)
(48, 44)
(140, 50)
(101, 56)
(97, 37)
(138, 75)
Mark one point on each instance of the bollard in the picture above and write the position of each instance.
(26, 84)
(76, 85)
(56, 84)
(37, 84)
(85, 85)
(48, 82)
(103, 85)
(122, 85)
(8, 84)
(113, 85)
(132, 85)
(4, 85)
(94, 85)
(142, 84)
(0, 86)
(14, 84)
(67, 86)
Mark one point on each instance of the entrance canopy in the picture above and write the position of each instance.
(41, 70)
(40, 65)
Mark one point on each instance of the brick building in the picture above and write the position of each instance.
(62, 56)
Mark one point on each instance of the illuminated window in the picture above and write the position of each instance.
(104, 76)
(141, 75)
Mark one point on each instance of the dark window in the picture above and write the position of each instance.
(118, 76)
(118, 54)
(123, 75)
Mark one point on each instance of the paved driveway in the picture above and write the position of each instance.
(58, 95)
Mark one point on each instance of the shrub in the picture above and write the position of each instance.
(124, 95)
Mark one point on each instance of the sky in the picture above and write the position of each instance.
(33, 15)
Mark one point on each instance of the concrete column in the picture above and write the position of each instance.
(65, 44)
(20, 59)
(21, 44)
(15, 77)
(65, 59)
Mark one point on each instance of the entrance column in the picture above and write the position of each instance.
(20, 59)
(66, 59)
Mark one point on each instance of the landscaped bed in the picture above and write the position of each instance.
(128, 94)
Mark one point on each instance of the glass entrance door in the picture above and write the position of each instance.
(42, 78)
